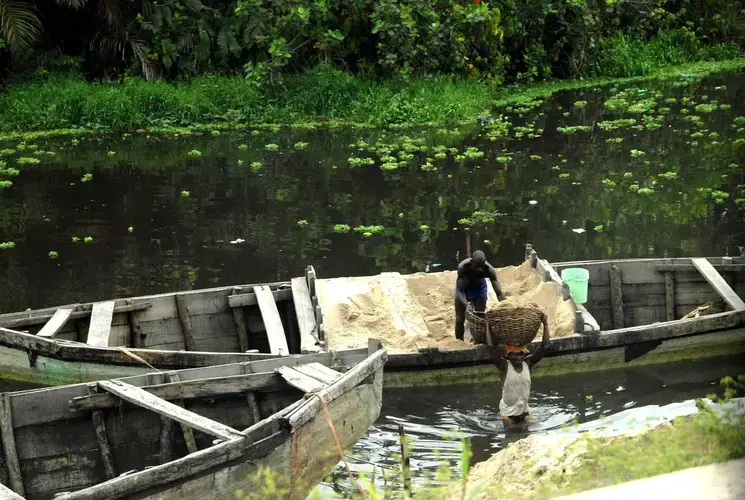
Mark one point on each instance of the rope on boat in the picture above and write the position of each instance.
(339, 449)
(137, 358)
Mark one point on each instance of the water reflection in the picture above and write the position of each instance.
(651, 185)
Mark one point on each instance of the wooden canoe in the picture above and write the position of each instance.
(120, 337)
(641, 323)
(196, 433)
(634, 316)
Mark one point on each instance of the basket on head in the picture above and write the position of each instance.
(516, 325)
(477, 326)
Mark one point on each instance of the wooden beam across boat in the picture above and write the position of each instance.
(187, 389)
(306, 317)
(100, 325)
(717, 281)
(56, 323)
(300, 380)
(275, 332)
(141, 397)
(29, 318)
(243, 299)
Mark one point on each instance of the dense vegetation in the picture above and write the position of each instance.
(502, 40)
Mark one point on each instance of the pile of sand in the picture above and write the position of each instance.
(414, 311)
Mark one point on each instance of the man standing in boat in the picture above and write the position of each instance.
(470, 286)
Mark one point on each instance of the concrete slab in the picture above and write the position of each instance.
(725, 481)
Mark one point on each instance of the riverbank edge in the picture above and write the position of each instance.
(559, 464)
(495, 99)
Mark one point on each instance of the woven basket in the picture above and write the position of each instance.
(514, 325)
(477, 326)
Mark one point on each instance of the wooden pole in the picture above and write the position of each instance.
(9, 445)
(405, 464)
(99, 427)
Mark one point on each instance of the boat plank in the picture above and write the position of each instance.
(187, 389)
(41, 316)
(186, 330)
(720, 285)
(319, 372)
(250, 299)
(99, 328)
(10, 453)
(140, 397)
(300, 380)
(99, 428)
(306, 317)
(239, 319)
(616, 296)
(186, 431)
(330, 392)
(669, 296)
(55, 324)
(272, 322)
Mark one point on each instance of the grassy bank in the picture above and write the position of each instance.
(323, 96)
(550, 466)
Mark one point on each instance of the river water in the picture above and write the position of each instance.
(637, 170)
(437, 419)
(659, 172)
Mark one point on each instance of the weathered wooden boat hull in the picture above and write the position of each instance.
(654, 294)
(79, 441)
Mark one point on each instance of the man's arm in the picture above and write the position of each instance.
(498, 354)
(460, 286)
(541, 349)
(495, 283)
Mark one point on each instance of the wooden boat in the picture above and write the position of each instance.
(116, 338)
(635, 315)
(216, 326)
(195, 433)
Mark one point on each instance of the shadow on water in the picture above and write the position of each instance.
(436, 418)
(668, 179)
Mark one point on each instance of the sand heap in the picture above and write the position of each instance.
(409, 312)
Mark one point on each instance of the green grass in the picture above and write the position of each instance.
(323, 96)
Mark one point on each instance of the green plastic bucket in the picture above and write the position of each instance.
(577, 279)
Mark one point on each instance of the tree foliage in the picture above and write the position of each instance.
(498, 40)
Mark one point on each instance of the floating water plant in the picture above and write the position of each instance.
(271, 147)
(86, 178)
(5, 245)
(27, 160)
(256, 166)
(369, 230)
(608, 183)
(563, 176)
(573, 129)
(5, 184)
(357, 162)
(111, 153)
(636, 153)
(616, 124)
(580, 104)
(719, 196)
(215, 132)
(239, 162)
(131, 229)
(424, 227)
(88, 239)
(300, 145)
(705, 108)
(668, 175)
(243, 147)
(599, 228)
(194, 153)
(53, 254)
(7, 152)
(535, 157)
(302, 223)
(75, 239)
(646, 190)
(628, 175)
(341, 228)
(185, 194)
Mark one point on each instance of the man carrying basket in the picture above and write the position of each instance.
(471, 287)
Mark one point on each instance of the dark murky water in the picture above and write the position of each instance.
(435, 419)
(669, 183)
